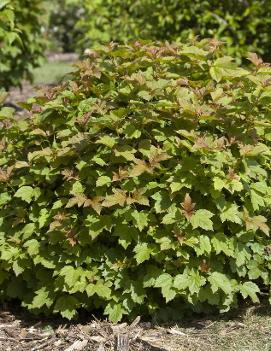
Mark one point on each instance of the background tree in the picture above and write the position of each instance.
(21, 40)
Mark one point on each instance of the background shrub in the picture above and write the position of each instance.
(243, 24)
(140, 186)
(21, 42)
(63, 18)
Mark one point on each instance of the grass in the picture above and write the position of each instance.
(248, 330)
(51, 72)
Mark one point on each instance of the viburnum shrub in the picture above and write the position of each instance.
(140, 186)
(21, 41)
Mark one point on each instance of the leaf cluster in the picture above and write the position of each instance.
(141, 185)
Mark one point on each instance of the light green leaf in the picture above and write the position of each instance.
(249, 289)
(32, 246)
(204, 245)
(220, 281)
(107, 140)
(196, 281)
(222, 243)
(4, 198)
(231, 213)
(100, 289)
(201, 219)
(42, 298)
(115, 312)
(162, 201)
(143, 252)
(26, 193)
(257, 200)
(140, 219)
(71, 275)
(103, 180)
(181, 281)
(17, 268)
(165, 282)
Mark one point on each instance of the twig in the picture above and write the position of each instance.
(42, 346)
(77, 345)
(122, 342)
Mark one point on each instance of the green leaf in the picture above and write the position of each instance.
(100, 289)
(131, 131)
(71, 275)
(26, 193)
(115, 312)
(145, 95)
(32, 246)
(170, 217)
(165, 282)
(43, 217)
(257, 200)
(125, 151)
(201, 219)
(67, 305)
(143, 252)
(3, 3)
(220, 281)
(4, 198)
(196, 281)
(17, 268)
(219, 183)
(126, 234)
(162, 201)
(77, 188)
(249, 289)
(222, 243)
(181, 281)
(140, 219)
(42, 298)
(230, 213)
(107, 141)
(103, 180)
(151, 276)
(204, 246)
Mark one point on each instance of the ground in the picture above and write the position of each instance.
(246, 330)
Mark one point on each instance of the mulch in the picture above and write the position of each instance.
(22, 332)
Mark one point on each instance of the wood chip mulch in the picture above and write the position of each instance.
(20, 332)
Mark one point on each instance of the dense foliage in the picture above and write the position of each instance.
(242, 24)
(142, 185)
(21, 43)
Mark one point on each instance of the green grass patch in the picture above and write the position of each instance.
(52, 72)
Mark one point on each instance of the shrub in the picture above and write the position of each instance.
(21, 42)
(62, 24)
(142, 185)
(244, 25)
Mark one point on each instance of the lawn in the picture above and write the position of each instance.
(52, 72)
